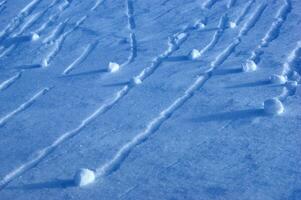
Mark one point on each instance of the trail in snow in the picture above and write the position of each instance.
(81, 58)
(244, 12)
(23, 106)
(273, 31)
(208, 4)
(174, 44)
(154, 125)
(131, 27)
(5, 84)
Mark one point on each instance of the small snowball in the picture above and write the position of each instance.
(181, 36)
(232, 24)
(137, 80)
(195, 54)
(84, 177)
(199, 24)
(44, 63)
(249, 66)
(113, 67)
(273, 106)
(35, 37)
(278, 79)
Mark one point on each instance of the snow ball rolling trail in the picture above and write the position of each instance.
(133, 99)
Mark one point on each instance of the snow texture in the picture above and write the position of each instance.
(194, 99)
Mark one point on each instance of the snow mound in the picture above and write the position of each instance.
(84, 177)
(195, 54)
(113, 67)
(249, 66)
(35, 37)
(278, 79)
(273, 106)
(232, 24)
(137, 80)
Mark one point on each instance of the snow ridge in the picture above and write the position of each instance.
(273, 31)
(10, 81)
(81, 58)
(21, 108)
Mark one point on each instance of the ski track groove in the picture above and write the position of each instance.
(2, 5)
(22, 107)
(117, 160)
(273, 31)
(88, 49)
(174, 44)
(131, 27)
(5, 84)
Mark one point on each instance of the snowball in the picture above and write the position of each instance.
(84, 177)
(232, 24)
(35, 37)
(44, 63)
(195, 54)
(113, 67)
(273, 106)
(181, 36)
(137, 80)
(200, 24)
(278, 79)
(249, 66)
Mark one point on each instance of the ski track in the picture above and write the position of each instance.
(174, 44)
(131, 27)
(290, 68)
(244, 12)
(117, 160)
(5, 84)
(22, 107)
(273, 31)
(81, 58)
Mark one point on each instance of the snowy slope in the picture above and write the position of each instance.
(166, 124)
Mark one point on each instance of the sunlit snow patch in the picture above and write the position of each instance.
(278, 79)
(249, 66)
(273, 106)
(113, 67)
(35, 37)
(195, 54)
(232, 24)
(84, 177)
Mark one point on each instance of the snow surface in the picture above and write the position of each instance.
(180, 119)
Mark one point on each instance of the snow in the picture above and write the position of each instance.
(278, 79)
(273, 106)
(160, 99)
(249, 66)
(84, 177)
(113, 67)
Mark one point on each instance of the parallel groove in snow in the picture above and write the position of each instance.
(5, 84)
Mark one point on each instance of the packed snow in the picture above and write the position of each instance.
(150, 99)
